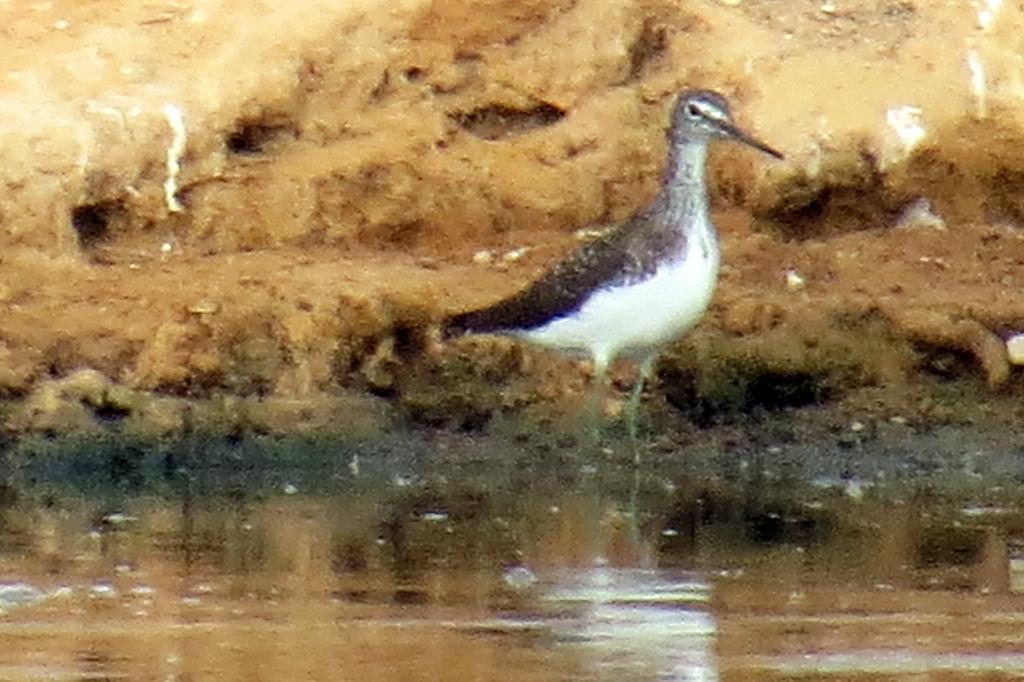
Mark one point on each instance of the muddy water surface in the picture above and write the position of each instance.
(448, 561)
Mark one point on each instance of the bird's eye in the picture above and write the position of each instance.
(692, 110)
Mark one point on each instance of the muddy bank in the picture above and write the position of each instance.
(251, 225)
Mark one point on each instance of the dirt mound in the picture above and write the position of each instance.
(217, 202)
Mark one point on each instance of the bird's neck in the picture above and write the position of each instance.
(683, 203)
(684, 194)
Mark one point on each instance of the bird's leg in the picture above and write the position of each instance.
(646, 370)
(633, 409)
(597, 396)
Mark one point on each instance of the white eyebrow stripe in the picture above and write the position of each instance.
(712, 112)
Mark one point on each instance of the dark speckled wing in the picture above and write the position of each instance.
(628, 253)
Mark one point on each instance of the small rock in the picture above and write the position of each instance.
(515, 254)
(937, 261)
(587, 233)
(103, 590)
(62, 592)
(794, 282)
(906, 124)
(519, 577)
(483, 257)
(857, 427)
(1015, 349)
(19, 594)
(854, 490)
(919, 214)
(204, 307)
(118, 518)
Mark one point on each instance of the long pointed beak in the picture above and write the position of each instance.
(748, 139)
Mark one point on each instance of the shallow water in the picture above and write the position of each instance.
(438, 560)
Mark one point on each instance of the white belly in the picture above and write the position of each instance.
(637, 319)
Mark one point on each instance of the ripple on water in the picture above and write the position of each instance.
(889, 663)
(645, 623)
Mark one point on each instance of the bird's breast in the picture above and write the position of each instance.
(640, 315)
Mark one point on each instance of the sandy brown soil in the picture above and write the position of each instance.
(265, 206)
